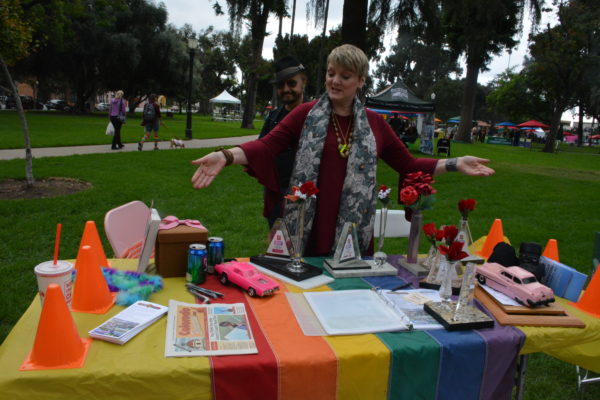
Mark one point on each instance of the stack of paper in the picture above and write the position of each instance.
(129, 322)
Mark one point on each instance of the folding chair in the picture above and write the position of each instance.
(396, 224)
(443, 146)
(125, 228)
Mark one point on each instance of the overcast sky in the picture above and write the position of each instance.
(200, 14)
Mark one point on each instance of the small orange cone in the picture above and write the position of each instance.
(590, 300)
(57, 343)
(91, 293)
(551, 250)
(495, 236)
(91, 238)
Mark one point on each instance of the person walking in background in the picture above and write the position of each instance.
(290, 81)
(116, 115)
(150, 121)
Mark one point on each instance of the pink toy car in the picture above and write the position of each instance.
(516, 283)
(247, 277)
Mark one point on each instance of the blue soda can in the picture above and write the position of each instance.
(216, 253)
(197, 262)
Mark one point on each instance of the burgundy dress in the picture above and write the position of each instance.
(261, 152)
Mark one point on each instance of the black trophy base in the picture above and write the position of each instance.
(280, 266)
(425, 284)
(471, 318)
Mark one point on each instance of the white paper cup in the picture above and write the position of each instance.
(60, 274)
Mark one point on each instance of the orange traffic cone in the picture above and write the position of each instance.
(91, 238)
(551, 250)
(495, 236)
(91, 293)
(57, 343)
(590, 300)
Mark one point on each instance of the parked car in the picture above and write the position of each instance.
(27, 102)
(516, 283)
(57, 104)
(247, 277)
(102, 107)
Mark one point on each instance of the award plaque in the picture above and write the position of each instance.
(347, 261)
(461, 314)
(278, 254)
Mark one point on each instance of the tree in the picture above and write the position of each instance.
(256, 12)
(560, 60)
(19, 23)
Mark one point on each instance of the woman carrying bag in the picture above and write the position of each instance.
(116, 115)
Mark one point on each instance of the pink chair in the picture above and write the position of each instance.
(125, 228)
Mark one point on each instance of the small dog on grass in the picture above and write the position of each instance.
(175, 142)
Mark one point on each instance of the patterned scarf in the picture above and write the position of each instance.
(358, 200)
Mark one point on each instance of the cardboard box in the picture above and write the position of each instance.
(172, 249)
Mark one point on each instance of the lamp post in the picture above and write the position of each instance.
(192, 46)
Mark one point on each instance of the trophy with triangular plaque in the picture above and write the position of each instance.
(347, 261)
(278, 255)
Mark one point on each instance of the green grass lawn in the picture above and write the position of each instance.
(538, 196)
(55, 129)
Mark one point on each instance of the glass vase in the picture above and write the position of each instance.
(413, 238)
(295, 265)
(380, 257)
(445, 276)
(434, 269)
(466, 230)
(431, 254)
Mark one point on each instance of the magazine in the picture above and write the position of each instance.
(129, 322)
(208, 330)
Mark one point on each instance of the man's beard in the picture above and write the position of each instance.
(290, 97)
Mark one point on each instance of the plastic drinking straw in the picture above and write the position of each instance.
(57, 242)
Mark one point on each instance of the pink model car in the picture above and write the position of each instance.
(516, 283)
(247, 277)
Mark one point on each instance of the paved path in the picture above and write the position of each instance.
(105, 148)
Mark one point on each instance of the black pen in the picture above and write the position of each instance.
(402, 286)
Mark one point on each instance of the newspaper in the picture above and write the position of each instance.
(208, 330)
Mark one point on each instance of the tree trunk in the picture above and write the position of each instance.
(550, 144)
(468, 102)
(21, 112)
(320, 67)
(354, 23)
(258, 30)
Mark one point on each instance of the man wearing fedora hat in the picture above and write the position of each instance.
(290, 81)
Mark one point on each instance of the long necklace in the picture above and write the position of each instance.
(344, 141)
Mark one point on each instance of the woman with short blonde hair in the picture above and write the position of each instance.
(338, 143)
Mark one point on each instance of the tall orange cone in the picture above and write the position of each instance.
(495, 236)
(91, 293)
(590, 300)
(91, 238)
(57, 343)
(551, 250)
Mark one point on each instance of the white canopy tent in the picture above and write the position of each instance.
(222, 110)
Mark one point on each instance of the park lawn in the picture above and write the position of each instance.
(57, 129)
(538, 196)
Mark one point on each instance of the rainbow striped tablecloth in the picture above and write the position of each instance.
(464, 365)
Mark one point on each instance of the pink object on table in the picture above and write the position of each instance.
(172, 221)
(515, 282)
(247, 277)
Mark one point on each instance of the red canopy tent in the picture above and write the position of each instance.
(533, 124)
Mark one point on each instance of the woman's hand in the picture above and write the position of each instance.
(209, 167)
(474, 166)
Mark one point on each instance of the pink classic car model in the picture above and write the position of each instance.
(516, 283)
(247, 277)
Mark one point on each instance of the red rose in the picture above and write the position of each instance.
(453, 252)
(450, 233)
(417, 177)
(439, 235)
(383, 188)
(309, 189)
(429, 230)
(424, 188)
(408, 196)
(466, 206)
